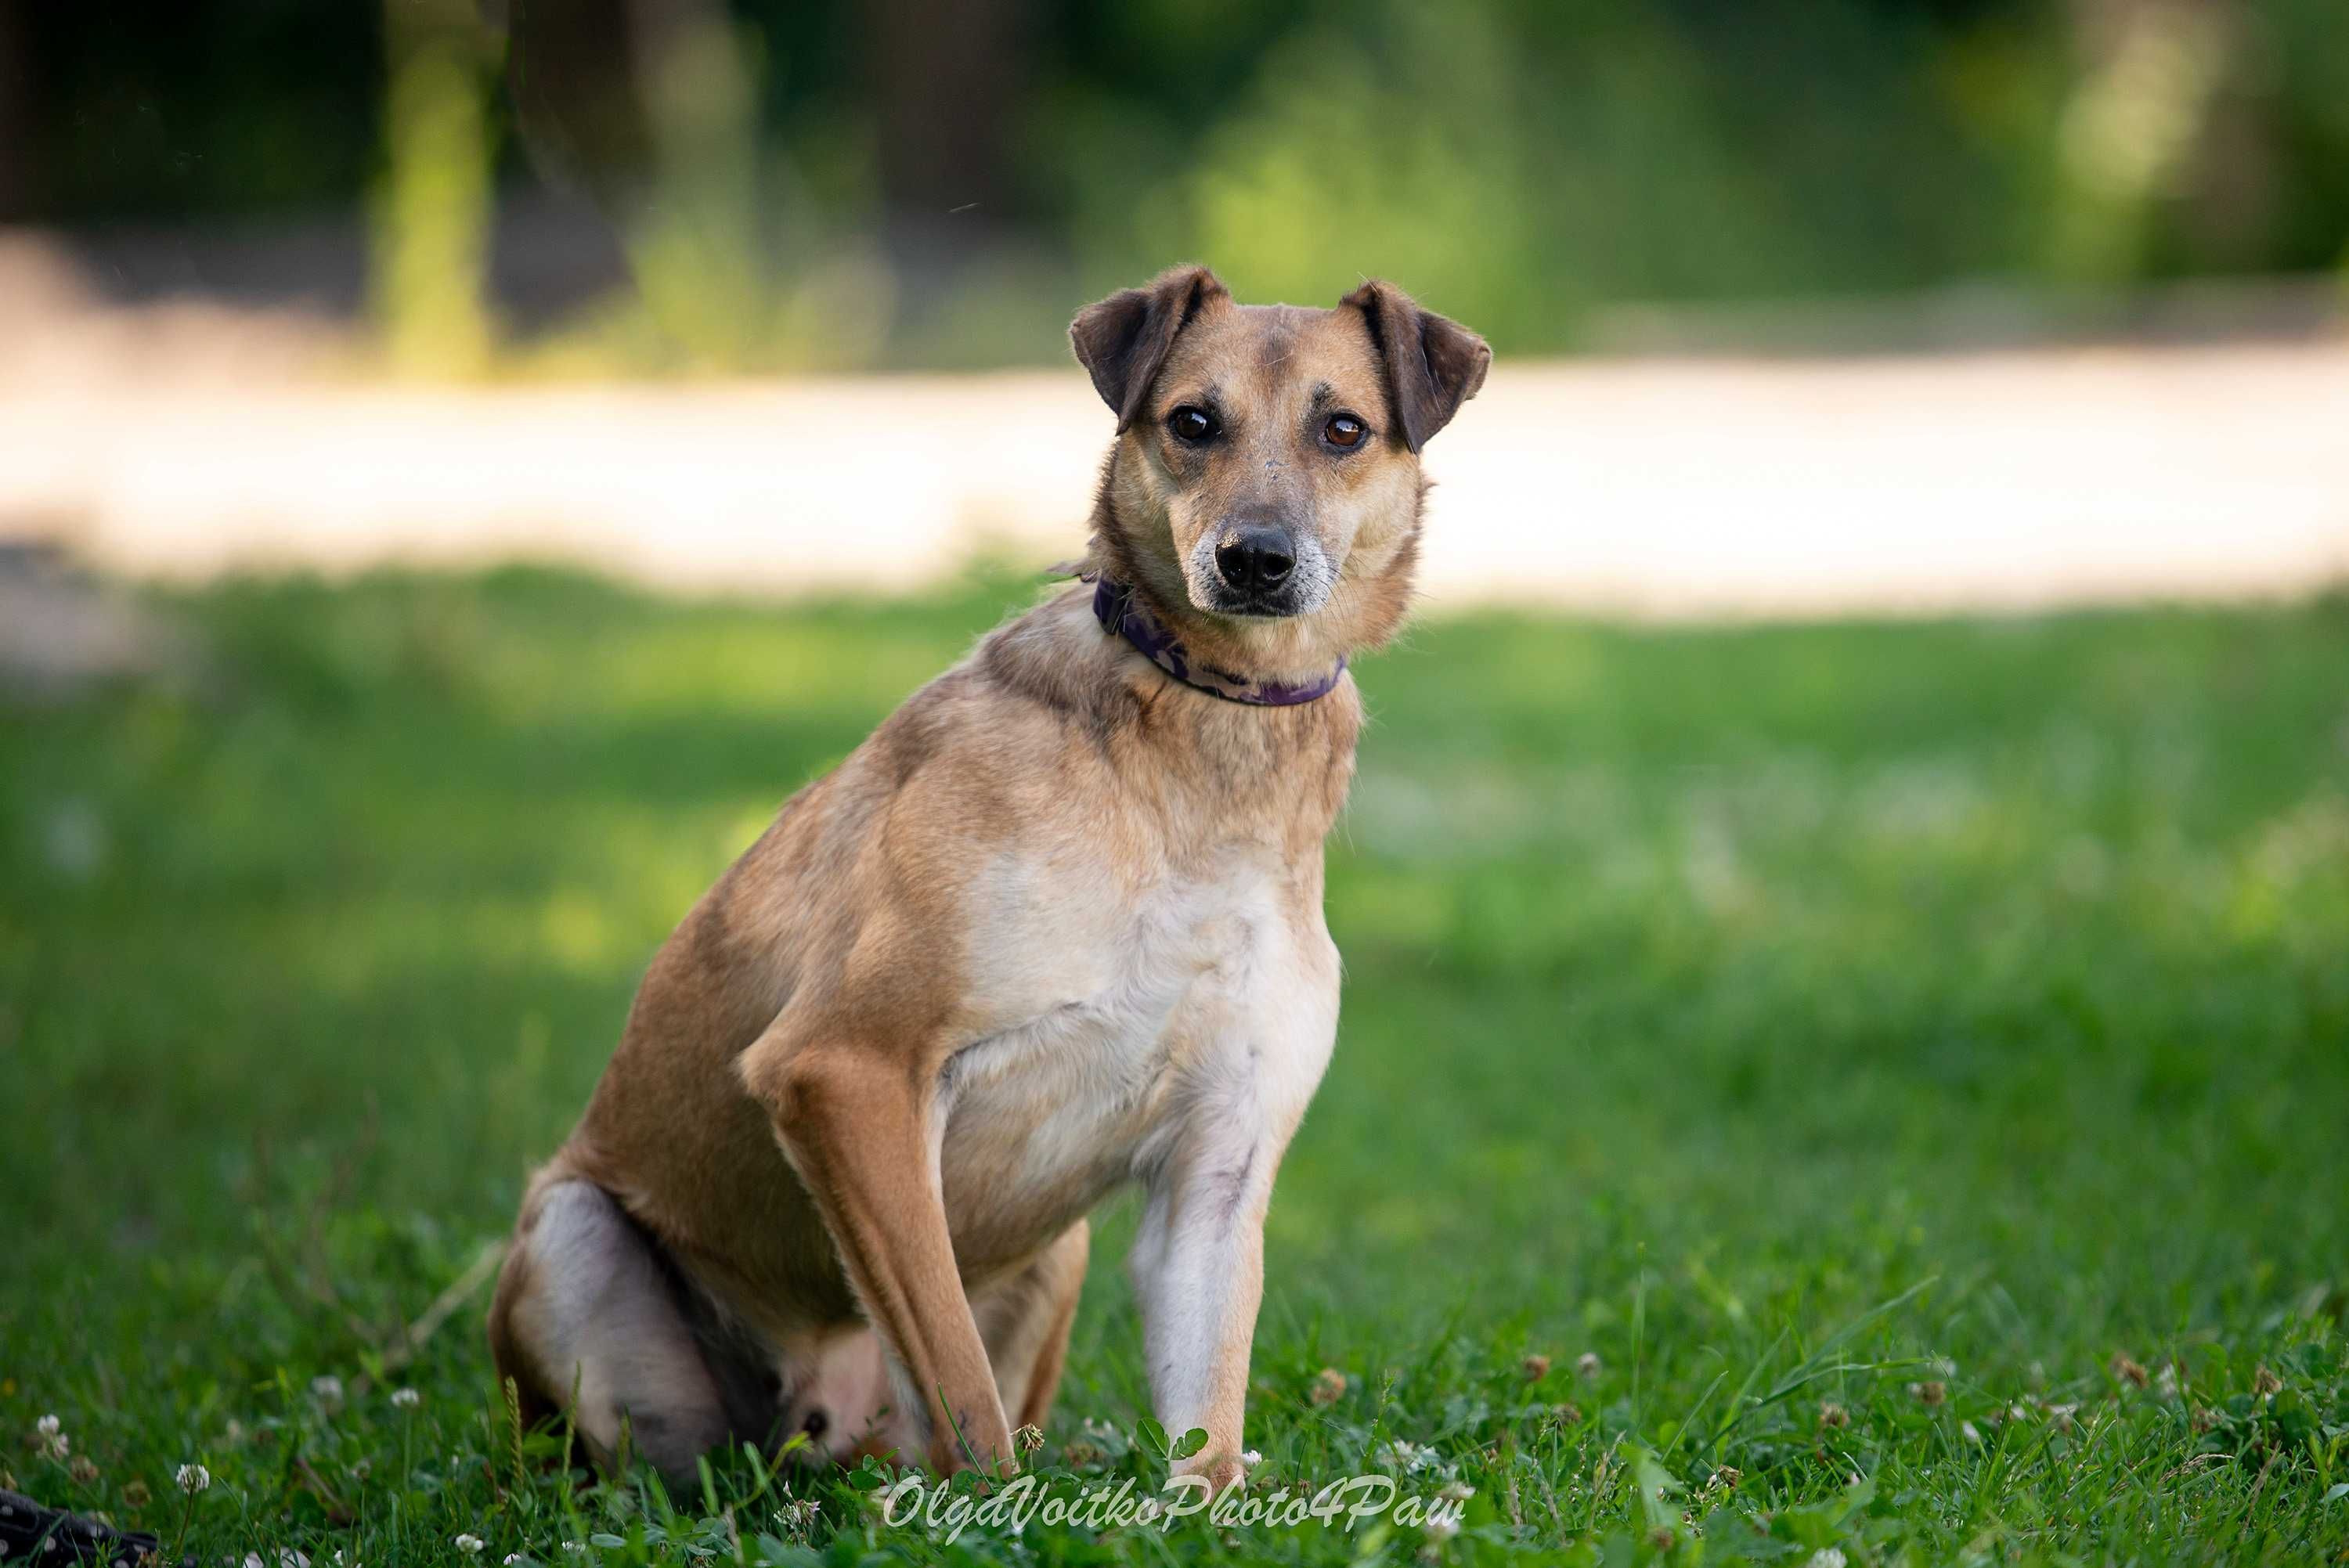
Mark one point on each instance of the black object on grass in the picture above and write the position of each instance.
(27, 1529)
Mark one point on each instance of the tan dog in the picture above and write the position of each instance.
(1056, 927)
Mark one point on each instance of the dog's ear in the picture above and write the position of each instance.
(1123, 340)
(1433, 364)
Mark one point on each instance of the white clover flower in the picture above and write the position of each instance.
(47, 1426)
(1970, 1432)
(1405, 1456)
(514, 1557)
(328, 1392)
(1252, 1457)
(573, 1546)
(1827, 1557)
(193, 1479)
(1456, 1492)
(1442, 1529)
(406, 1398)
(58, 1445)
(1589, 1364)
(469, 1544)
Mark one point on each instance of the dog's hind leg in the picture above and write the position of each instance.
(585, 1302)
(1025, 1320)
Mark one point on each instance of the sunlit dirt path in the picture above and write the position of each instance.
(1671, 487)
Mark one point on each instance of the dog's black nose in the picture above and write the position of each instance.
(1254, 558)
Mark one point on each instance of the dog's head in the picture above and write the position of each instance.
(1267, 467)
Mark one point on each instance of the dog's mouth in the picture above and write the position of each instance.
(1243, 606)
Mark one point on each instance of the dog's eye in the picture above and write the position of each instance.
(1191, 424)
(1343, 430)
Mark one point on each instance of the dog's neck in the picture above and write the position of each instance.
(1120, 611)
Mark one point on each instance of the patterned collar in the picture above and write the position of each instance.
(1119, 611)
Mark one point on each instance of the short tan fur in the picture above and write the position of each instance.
(1055, 928)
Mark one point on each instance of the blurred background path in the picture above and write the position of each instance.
(1673, 486)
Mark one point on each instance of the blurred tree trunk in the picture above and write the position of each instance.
(946, 83)
(430, 230)
(16, 114)
(650, 108)
(2150, 70)
(577, 73)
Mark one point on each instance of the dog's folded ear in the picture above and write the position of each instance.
(1434, 364)
(1122, 341)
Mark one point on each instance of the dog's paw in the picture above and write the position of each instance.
(1221, 1470)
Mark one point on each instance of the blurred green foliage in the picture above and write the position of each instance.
(919, 182)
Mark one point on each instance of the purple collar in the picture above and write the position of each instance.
(1119, 611)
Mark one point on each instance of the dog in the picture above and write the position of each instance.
(1054, 929)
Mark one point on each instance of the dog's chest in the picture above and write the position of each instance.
(1131, 1017)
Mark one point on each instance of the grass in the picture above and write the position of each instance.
(1897, 1076)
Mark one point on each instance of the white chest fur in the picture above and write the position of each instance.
(1203, 1010)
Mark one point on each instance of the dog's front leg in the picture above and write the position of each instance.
(1198, 1271)
(855, 1125)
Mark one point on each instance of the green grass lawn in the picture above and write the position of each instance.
(1897, 1075)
